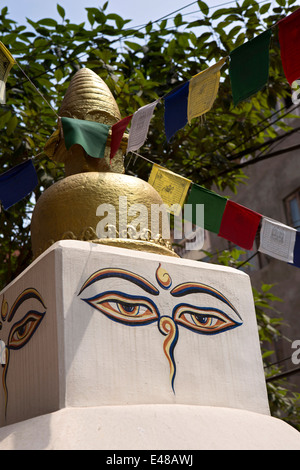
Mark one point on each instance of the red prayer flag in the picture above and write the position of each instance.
(239, 225)
(117, 132)
(289, 39)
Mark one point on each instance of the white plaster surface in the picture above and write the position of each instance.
(150, 427)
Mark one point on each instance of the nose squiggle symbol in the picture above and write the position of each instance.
(168, 328)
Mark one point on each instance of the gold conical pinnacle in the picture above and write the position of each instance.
(87, 98)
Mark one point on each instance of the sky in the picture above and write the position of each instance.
(139, 11)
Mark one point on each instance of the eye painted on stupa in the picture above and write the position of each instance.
(125, 308)
(205, 320)
(119, 306)
(27, 294)
(22, 331)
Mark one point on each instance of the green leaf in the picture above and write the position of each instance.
(4, 118)
(171, 47)
(264, 8)
(133, 45)
(267, 354)
(95, 15)
(148, 27)
(90, 16)
(163, 24)
(266, 287)
(61, 11)
(178, 20)
(12, 124)
(58, 74)
(183, 41)
(117, 18)
(47, 22)
(218, 13)
(203, 7)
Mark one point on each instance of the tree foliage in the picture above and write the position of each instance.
(139, 65)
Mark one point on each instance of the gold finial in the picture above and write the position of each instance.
(87, 98)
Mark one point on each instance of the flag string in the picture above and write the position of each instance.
(31, 82)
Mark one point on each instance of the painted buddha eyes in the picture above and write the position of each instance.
(125, 308)
(203, 320)
(23, 330)
(136, 310)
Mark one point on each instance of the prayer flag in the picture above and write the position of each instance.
(139, 126)
(239, 225)
(214, 206)
(16, 183)
(92, 136)
(176, 109)
(203, 90)
(117, 132)
(249, 67)
(171, 187)
(296, 260)
(277, 240)
(289, 40)
(6, 63)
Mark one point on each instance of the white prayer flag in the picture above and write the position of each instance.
(139, 126)
(277, 240)
(6, 63)
(2, 92)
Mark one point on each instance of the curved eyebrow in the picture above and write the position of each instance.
(123, 274)
(197, 287)
(30, 293)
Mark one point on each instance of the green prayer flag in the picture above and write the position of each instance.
(92, 136)
(249, 67)
(214, 206)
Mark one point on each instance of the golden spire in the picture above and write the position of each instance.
(87, 98)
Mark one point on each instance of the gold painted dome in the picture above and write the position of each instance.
(68, 209)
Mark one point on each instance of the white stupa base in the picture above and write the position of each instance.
(150, 427)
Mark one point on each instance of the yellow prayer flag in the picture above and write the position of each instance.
(52, 143)
(203, 90)
(171, 187)
(6, 63)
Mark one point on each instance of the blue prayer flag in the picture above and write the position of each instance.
(16, 183)
(176, 110)
(297, 251)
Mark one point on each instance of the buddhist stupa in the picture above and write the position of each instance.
(67, 209)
